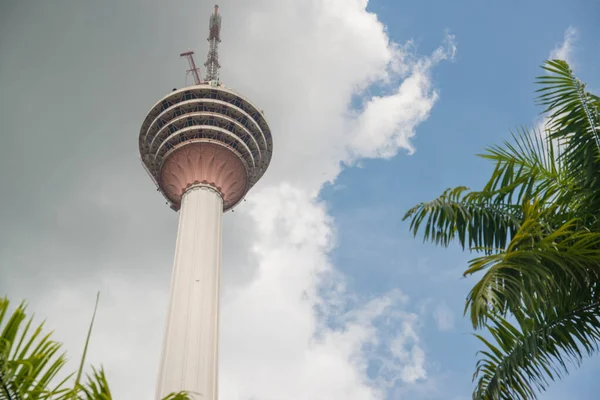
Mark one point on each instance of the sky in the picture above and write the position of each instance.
(374, 106)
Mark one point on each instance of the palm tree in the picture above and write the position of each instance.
(32, 364)
(536, 228)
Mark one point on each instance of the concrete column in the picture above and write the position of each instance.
(191, 344)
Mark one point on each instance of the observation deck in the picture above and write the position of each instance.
(205, 134)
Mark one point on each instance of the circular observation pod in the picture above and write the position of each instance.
(209, 135)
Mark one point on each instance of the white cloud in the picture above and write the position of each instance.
(387, 123)
(290, 329)
(564, 50)
(444, 317)
(406, 348)
(298, 353)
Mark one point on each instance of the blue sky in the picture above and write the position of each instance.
(326, 295)
(484, 94)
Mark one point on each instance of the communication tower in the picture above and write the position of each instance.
(204, 146)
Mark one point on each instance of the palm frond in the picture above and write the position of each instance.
(487, 220)
(538, 222)
(7, 391)
(528, 167)
(532, 268)
(28, 361)
(467, 216)
(96, 387)
(87, 342)
(524, 358)
(573, 120)
(178, 396)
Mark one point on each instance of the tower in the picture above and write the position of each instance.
(204, 146)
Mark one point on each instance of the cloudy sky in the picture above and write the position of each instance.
(374, 106)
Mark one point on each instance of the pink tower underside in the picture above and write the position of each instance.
(207, 163)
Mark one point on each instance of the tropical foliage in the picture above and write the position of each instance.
(535, 226)
(32, 364)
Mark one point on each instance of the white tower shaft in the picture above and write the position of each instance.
(191, 344)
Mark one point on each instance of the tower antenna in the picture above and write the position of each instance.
(214, 38)
(195, 71)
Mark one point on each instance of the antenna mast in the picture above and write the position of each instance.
(214, 38)
(195, 71)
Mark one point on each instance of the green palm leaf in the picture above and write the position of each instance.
(178, 396)
(525, 357)
(573, 120)
(536, 264)
(96, 387)
(536, 220)
(469, 216)
(488, 219)
(28, 361)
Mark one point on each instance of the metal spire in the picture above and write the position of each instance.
(214, 38)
